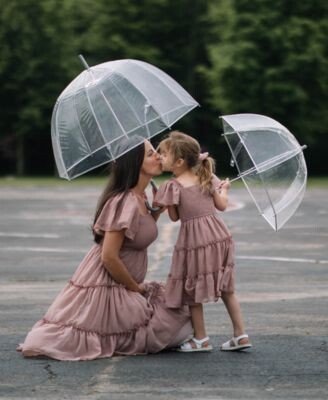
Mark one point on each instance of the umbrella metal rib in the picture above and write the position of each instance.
(146, 97)
(126, 102)
(270, 163)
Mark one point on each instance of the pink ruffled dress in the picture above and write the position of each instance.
(94, 316)
(203, 258)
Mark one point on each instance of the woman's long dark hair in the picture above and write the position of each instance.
(124, 175)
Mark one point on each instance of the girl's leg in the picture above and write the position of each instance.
(200, 342)
(197, 318)
(232, 305)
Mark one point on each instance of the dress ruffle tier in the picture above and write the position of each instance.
(91, 322)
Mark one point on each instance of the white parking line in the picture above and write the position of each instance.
(162, 254)
(30, 235)
(283, 259)
(278, 259)
(44, 249)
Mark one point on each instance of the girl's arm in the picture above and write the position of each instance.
(156, 214)
(220, 196)
(112, 244)
(173, 213)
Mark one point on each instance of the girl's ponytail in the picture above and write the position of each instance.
(204, 170)
(186, 147)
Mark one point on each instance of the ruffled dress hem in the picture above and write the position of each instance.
(62, 339)
(202, 288)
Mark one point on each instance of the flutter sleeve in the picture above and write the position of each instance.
(120, 212)
(168, 194)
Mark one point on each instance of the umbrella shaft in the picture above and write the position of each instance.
(235, 179)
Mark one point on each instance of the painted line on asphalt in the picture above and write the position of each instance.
(284, 259)
(164, 254)
(265, 258)
(43, 249)
(265, 297)
(30, 235)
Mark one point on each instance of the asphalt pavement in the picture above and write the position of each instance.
(282, 283)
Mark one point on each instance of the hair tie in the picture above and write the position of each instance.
(203, 156)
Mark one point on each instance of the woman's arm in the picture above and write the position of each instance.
(110, 257)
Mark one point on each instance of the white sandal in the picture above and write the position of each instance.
(233, 344)
(187, 347)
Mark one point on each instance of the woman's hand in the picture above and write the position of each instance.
(142, 288)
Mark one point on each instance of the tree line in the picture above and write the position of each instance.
(232, 56)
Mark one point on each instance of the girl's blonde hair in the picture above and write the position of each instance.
(180, 145)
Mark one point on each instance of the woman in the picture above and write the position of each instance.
(106, 308)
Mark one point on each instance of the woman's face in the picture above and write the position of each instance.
(151, 165)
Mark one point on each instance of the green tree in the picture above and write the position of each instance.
(271, 58)
(169, 34)
(33, 64)
(40, 41)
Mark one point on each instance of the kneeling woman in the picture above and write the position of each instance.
(106, 308)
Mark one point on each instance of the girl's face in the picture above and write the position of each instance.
(166, 160)
(151, 165)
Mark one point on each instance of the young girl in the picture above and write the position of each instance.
(203, 260)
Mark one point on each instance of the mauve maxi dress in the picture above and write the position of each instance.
(96, 317)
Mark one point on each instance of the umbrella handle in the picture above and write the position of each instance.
(153, 185)
(149, 207)
(235, 179)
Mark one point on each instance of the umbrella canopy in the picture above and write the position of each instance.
(270, 162)
(106, 105)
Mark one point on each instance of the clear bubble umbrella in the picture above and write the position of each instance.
(109, 109)
(270, 162)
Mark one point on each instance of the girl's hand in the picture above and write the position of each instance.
(220, 195)
(157, 211)
(161, 209)
(225, 184)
